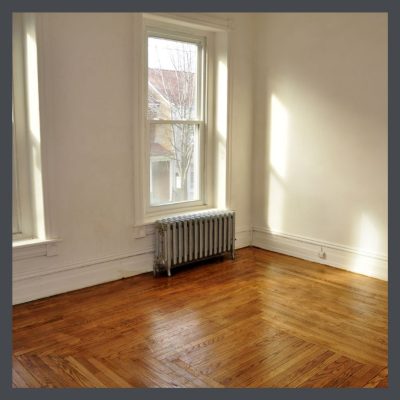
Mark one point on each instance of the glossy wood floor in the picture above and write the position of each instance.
(263, 320)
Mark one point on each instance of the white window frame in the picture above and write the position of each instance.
(22, 191)
(200, 122)
(36, 234)
(144, 213)
(217, 123)
(16, 208)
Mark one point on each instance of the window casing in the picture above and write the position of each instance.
(22, 216)
(176, 125)
(16, 208)
(29, 216)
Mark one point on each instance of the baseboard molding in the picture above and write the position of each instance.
(36, 287)
(33, 285)
(343, 257)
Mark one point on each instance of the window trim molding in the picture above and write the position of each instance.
(24, 249)
(199, 20)
(46, 127)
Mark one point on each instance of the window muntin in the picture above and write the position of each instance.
(175, 94)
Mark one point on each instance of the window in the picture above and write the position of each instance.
(28, 207)
(175, 118)
(22, 223)
(180, 132)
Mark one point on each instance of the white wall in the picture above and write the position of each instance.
(241, 126)
(320, 137)
(86, 104)
(325, 182)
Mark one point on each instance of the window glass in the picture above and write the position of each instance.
(174, 163)
(174, 124)
(172, 79)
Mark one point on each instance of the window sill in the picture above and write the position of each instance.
(30, 248)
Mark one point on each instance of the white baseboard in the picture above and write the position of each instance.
(350, 259)
(36, 287)
(32, 286)
(36, 284)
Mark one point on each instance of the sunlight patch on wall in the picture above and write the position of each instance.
(278, 142)
(221, 121)
(368, 235)
(222, 99)
(367, 242)
(278, 136)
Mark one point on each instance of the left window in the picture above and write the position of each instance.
(22, 223)
(27, 188)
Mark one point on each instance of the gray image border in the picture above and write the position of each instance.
(9, 6)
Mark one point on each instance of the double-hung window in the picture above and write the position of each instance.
(28, 219)
(22, 215)
(175, 123)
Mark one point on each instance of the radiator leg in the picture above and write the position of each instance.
(233, 251)
(169, 271)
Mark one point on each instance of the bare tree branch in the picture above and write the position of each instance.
(178, 87)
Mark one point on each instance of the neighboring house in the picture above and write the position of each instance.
(172, 165)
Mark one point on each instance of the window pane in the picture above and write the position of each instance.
(172, 79)
(174, 163)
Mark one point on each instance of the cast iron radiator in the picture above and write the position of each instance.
(194, 237)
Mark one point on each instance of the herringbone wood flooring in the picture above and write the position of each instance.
(262, 320)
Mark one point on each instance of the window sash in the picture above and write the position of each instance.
(200, 42)
(199, 122)
(201, 167)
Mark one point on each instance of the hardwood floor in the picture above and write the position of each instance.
(262, 320)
